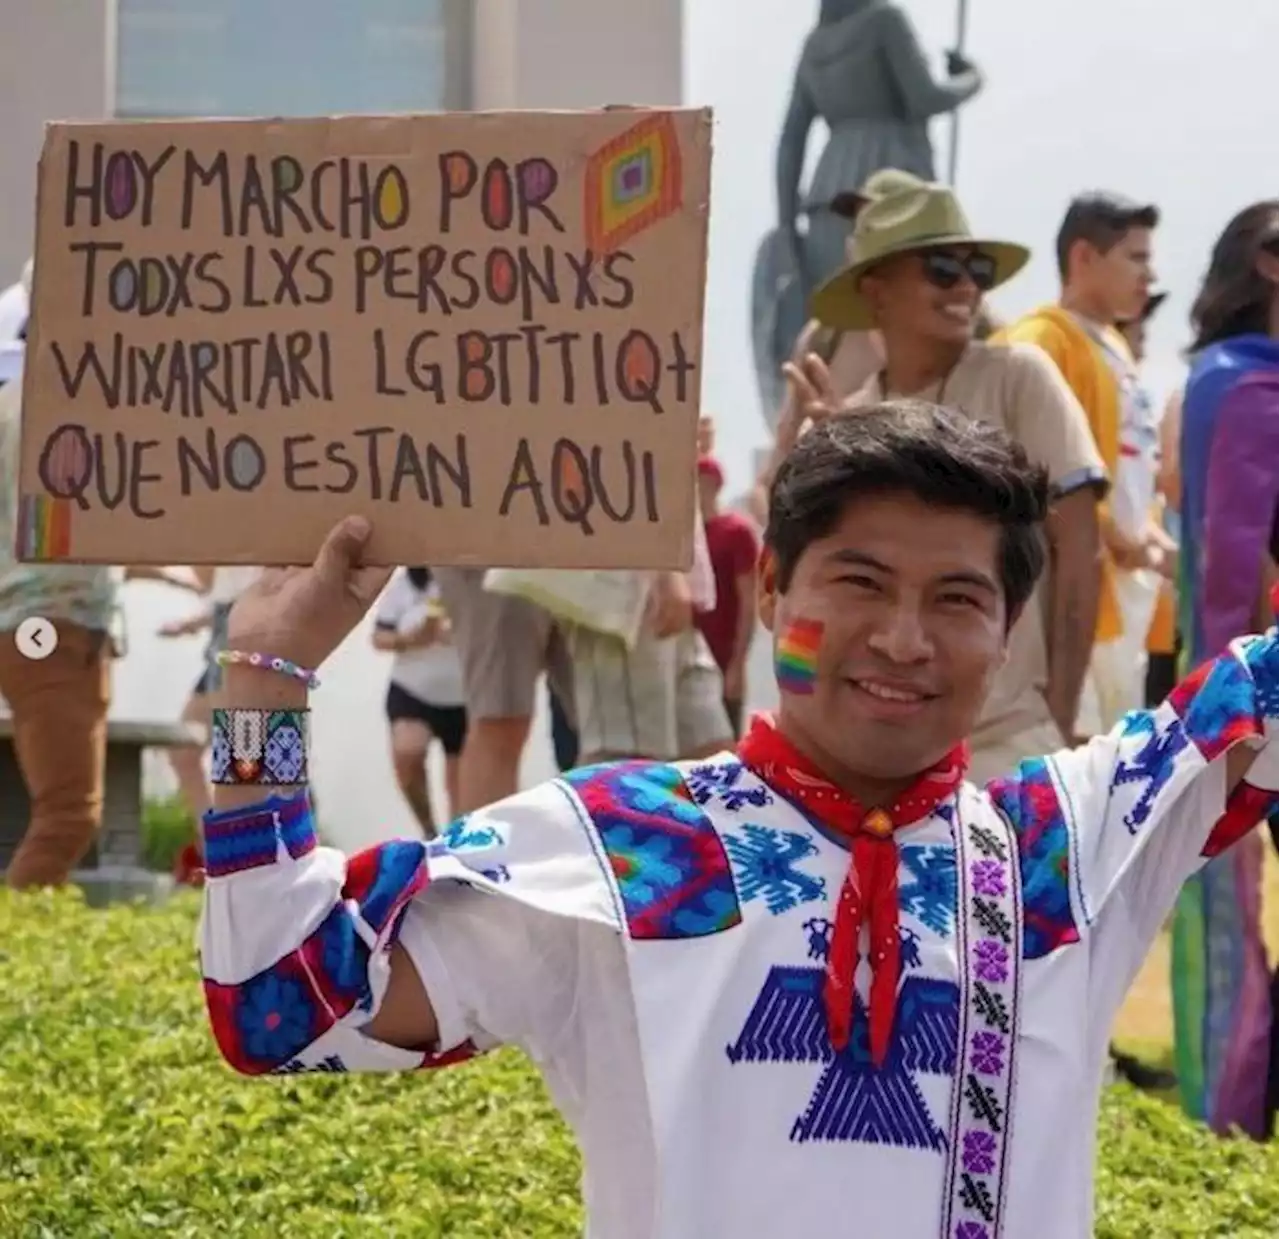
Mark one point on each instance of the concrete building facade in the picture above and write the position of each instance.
(90, 59)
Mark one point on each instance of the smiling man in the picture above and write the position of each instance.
(918, 273)
(821, 977)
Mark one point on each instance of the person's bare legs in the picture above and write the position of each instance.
(452, 768)
(504, 644)
(187, 761)
(489, 767)
(410, 740)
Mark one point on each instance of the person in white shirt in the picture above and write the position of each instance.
(426, 696)
(1141, 472)
(662, 697)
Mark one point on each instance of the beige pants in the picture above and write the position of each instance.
(1117, 677)
(505, 644)
(1002, 757)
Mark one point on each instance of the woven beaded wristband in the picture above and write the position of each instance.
(267, 662)
(259, 748)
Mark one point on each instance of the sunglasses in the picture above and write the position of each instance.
(946, 270)
(1272, 245)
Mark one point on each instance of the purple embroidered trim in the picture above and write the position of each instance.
(988, 947)
(248, 838)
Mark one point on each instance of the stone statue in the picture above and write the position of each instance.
(863, 71)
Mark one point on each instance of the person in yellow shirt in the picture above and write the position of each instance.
(1104, 251)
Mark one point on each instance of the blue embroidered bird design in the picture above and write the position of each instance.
(764, 864)
(854, 1100)
(1151, 766)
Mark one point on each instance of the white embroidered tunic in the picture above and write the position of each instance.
(654, 936)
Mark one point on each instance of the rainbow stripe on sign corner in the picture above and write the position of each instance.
(44, 528)
(631, 183)
(795, 659)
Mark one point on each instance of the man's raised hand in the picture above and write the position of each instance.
(304, 614)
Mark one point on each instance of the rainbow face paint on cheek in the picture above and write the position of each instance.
(795, 657)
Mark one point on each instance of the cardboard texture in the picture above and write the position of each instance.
(483, 331)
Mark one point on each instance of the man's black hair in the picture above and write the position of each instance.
(419, 577)
(942, 457)
(1104, 220)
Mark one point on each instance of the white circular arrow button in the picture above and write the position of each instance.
(36, 638)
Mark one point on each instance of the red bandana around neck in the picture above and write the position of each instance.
(869, 892)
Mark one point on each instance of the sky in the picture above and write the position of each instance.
(1177, 110)
(1174, 104)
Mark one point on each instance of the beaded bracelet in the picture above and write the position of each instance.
(267, 662)
(259, 748)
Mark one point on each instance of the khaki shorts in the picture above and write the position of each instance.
(505, 644)
(992, 761)
(664, 699)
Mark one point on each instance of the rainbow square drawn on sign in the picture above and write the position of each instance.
(795, 659)
(633, 179)
(631, 183)
(44, 528)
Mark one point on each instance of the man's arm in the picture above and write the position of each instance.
(406, 1017)
(747, 621)
(187, 627)
(1169, 479)
(736, 671)
(316, 961)
(431, 631)
(1075, 576)
(1109, 833)
(314, 885)
(165, 576)
(1049, 422)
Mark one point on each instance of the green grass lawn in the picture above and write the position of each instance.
(117, 1119)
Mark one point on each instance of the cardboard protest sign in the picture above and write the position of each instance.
(483, 331)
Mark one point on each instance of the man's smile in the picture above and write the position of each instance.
(890, 698)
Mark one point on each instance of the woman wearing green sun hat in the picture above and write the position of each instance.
(852, 356)
(917, 273)
(910, 220)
